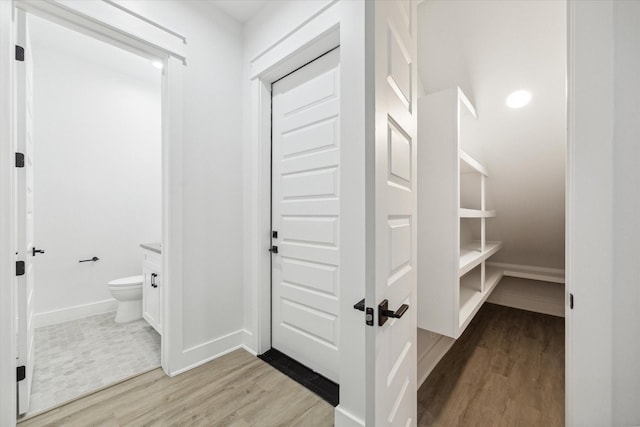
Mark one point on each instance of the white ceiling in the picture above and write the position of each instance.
(490, 48)
(240, 10)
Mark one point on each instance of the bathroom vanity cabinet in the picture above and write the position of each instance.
(152, 282)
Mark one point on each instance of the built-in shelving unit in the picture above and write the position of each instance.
(454, 278)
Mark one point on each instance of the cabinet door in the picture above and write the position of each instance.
(158, 291)
(150, 296)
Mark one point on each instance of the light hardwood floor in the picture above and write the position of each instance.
(235, 390)
(507, 369)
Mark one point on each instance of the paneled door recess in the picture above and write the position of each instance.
(306, 214)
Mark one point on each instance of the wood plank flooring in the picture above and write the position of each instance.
(235, 390)
(507, 369)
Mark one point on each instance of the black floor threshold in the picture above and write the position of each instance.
(323, 387)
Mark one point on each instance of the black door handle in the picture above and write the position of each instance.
(36, 251)
(273, 249)
(94, 259)
(153, 280)
(384, 313)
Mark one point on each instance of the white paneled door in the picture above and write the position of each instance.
(26, 249)
(391, 342)
(306, 214)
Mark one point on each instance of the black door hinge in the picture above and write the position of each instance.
(19, 53)
(19, 160)
(19, 268)
(571, 301)
(21, 373)
(273, 249)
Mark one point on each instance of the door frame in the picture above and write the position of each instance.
(589, 213)
(130, 31)
(336, 24)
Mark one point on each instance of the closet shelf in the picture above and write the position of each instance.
(476, 213)
(469, 165)
(551, 275)
(453, 277)
(471, 254)
(472, 299)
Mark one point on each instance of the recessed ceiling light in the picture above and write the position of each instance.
(518, 99)
(157, 64)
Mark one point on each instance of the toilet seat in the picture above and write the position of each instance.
(127, 281)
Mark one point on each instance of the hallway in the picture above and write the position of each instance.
(237, 389)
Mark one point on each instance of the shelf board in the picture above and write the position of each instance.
(471, 256)
(476, 213)
(469, 165)
(464, 101)
(552, 275)
(470, 298)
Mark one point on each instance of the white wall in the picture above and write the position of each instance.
(212, 177)
(97, 168)
(626, 227)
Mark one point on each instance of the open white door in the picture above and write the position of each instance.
(391, 346)
(26, 249)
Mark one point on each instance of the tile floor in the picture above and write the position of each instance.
(80, 356)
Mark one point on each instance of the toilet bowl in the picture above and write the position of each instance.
(128, 292)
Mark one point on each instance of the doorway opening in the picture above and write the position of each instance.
(491, 335)
(90, 208)
(305, 225)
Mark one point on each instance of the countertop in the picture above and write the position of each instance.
(153, 247)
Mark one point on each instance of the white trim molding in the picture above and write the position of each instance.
(112, 22)
(344, 418)
(303, 40)
(66, 314)
(8, 392)
(202, 353)
(545, 274)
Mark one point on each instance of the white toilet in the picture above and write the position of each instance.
(128, 292)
